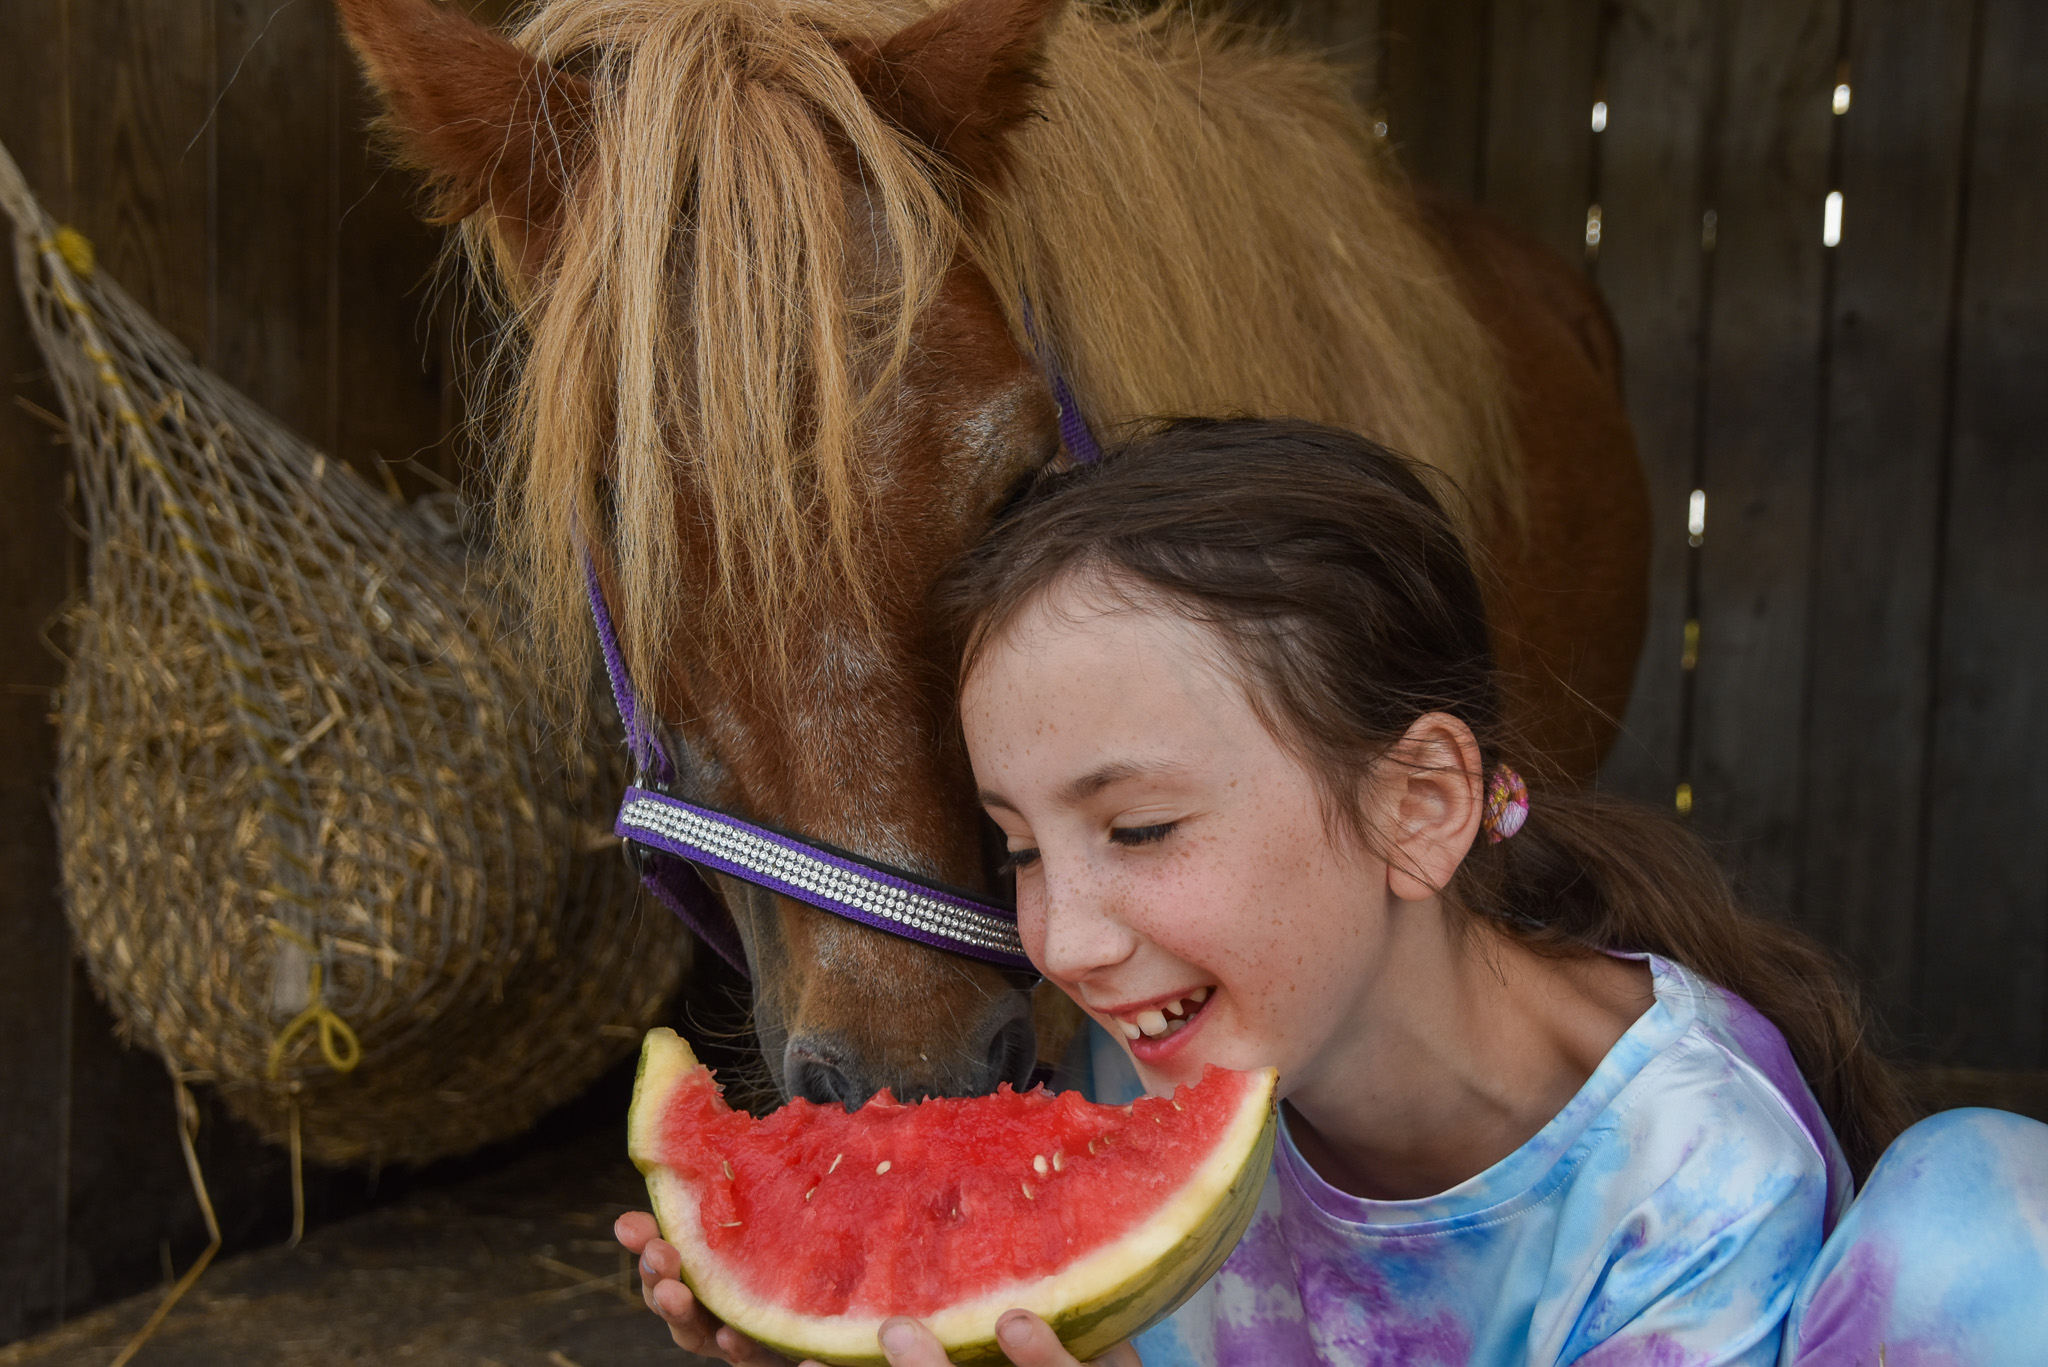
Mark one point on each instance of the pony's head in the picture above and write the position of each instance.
(767, 261)
(761, 383)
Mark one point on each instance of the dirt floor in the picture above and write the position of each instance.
(514, 1269)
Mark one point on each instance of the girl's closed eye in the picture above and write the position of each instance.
(1141, 835)
(1015, 860)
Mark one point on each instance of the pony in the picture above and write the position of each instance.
(783, 281)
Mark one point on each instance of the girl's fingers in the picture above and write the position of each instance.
(737, 1347)
(1028, 1341)
(906, 1343)
(659, 1262)
(634, 1229)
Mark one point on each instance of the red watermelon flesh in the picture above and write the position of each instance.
(814, 1214)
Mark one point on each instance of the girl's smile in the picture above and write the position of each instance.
(1175, 871)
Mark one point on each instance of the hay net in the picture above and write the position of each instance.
(320, 846)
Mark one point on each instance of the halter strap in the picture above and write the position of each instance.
(671, 840)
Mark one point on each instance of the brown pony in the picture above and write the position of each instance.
(766, 264)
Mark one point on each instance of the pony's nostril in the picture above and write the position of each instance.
(1013, 1053)
(817, 1071)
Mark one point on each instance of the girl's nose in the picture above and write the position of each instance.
(1080, 929)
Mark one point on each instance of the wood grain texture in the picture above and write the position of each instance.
(36, 551)
(1544, 62)
(1878, 503)
(1984, 933)
(1435, 83)
(1763, 383)
(141, 76)
(275, 147)
(394, 384)
(1656, 163)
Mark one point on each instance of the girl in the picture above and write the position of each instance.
(1549, 1096)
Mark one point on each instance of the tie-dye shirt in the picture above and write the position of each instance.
(1665, 1216)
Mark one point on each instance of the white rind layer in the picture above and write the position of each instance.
(851, 1337)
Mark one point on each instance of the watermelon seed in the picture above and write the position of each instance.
(1091, 1146)
(835, 1164)
(1038, 1164)
(1059, 1161)
(732, 1224)
(1177, 1106)
(881, 1167)
(1027, 1191)
(728, 1172)
(807, 1195)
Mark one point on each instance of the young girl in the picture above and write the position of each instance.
(1549, 1096)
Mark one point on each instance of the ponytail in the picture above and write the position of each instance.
(1589, 871)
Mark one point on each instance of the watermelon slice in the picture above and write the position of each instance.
(806, 1229)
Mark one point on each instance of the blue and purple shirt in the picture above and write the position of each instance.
(1666, 1215)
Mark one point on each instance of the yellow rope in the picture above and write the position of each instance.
(338, 1043)
(298, 1181)
(76, 249)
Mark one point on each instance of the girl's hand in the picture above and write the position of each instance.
(1026, 1340)
(694, 1328)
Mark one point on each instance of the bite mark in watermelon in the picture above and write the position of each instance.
(806, 1229)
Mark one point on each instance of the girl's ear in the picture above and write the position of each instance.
(1430, 798)
(959, 80)
(494, 128)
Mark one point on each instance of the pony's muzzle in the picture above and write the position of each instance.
(824, 1068)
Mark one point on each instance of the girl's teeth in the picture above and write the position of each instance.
(1130, 1031)
(1152, 1022)
(1199, 995)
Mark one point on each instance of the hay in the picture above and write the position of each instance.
(319, 845)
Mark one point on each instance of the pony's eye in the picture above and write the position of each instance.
(1141, 835)
(1017, 859)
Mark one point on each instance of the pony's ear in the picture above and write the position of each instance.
(959, 79)
(493, 127)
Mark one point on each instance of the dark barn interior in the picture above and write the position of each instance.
(1817, 223)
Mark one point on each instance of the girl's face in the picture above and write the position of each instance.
(1175, 873)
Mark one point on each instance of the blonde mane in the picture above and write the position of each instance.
(1201, 221)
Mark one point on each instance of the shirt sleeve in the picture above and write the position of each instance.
(1700, 1267)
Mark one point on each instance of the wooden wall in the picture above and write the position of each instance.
(1847, 672)
(213, 151)
(1863, 719)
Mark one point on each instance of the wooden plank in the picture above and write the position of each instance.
(1655, 161)
(1877, 520)
(1984, 929)
(36, 550)
(1544, 68)
(142, 83)
(1762, 419)
(393, 351)
(1434, 90)
(275, 150)
(1352, 32)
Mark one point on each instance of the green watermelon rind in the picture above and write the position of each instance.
(1108, 1296)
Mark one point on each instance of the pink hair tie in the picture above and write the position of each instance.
(1507, 804)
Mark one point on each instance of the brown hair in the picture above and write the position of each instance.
(1344, 595)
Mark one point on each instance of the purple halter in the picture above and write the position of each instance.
(671, 839)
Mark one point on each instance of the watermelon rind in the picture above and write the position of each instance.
(1109, 1296)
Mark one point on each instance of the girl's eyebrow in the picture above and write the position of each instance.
(1094, 781)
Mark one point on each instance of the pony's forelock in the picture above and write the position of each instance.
(721, 322)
